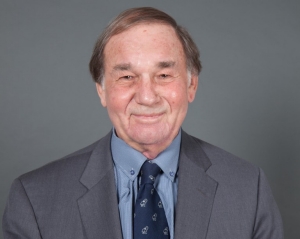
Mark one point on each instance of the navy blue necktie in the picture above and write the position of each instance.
(149, 216)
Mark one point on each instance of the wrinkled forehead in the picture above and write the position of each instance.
(144, 36)
(138, 25)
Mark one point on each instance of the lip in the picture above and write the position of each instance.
(148, 117)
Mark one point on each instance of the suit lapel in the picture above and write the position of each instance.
(196, 191)
(99, 207)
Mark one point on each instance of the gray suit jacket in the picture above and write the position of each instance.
(219, 196)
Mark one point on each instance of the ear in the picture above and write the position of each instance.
(101, 94)
(192, 88)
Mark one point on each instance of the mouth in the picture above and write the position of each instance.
(148, 118)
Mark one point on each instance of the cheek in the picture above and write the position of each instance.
(174, 96)
(177, 96)
(117, 100)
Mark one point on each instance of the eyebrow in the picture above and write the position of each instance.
(165, 64)
(127, 66)
(122, 67)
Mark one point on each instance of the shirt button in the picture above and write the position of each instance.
(132, 172)
(172, 174)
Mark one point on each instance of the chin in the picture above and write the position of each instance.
(150, 136)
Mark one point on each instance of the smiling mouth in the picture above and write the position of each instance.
(148, 117)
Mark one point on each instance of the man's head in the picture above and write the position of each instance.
(148, 80)
(133, 17)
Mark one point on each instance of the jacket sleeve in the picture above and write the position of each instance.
(268, 223)
(19, 219)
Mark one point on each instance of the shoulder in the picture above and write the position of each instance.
(70, 167)
(67, 164)
(222, 163)
(223, 158)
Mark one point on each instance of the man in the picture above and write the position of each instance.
(146, 71)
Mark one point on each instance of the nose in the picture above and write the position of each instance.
(146, 93)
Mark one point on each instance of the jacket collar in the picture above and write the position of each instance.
(99, 206)
(196, 190)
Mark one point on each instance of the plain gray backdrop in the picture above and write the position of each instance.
(247, 101)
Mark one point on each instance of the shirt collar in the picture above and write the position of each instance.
(130, 160)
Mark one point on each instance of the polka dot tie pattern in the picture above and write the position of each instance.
(149, 216)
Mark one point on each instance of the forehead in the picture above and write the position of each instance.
(150, 40)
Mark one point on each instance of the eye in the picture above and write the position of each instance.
(126, 77)
(163, 76)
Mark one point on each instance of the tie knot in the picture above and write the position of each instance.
(149, 172)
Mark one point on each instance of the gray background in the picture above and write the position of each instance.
(247, 102)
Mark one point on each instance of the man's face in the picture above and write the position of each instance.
(146, 89)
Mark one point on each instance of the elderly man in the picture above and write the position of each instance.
(147, 178)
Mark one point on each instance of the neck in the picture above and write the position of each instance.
(151, 151)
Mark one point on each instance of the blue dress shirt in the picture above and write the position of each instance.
(128, 162)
